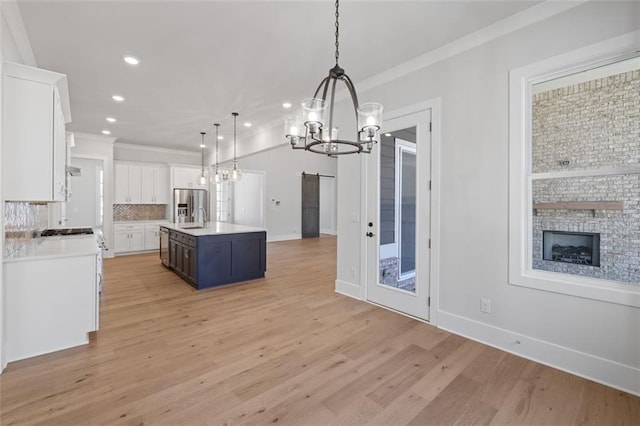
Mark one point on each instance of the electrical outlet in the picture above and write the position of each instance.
(485, 306)
(354, 273)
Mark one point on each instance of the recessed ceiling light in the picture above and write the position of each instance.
(117, 98)
(202, 145)
(286, 105)
(220, 137)
(111, 119)
(131, 60)
(388, 135)
(106, 132)
(247, 124)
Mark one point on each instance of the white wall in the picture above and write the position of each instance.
(283, 168)
(101, 148)
(328, 205)
(590, 338)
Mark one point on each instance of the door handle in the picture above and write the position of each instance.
(370, 234)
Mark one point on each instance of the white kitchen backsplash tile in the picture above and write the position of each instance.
(22, 221)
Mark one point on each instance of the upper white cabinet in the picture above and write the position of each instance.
(35, 108)
(186, 177)
(128, 181)
(140, 183)
(155, 186)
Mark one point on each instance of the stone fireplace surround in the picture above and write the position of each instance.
(586, 150)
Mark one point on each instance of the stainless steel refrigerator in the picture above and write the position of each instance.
(190, 205)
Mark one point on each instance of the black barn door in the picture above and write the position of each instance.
(310, 206)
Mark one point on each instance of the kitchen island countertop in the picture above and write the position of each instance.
(212, 228)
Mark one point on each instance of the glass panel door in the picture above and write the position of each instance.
(398, 207)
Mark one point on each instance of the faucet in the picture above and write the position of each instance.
(204, 215)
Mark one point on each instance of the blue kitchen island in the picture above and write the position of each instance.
(215, 254)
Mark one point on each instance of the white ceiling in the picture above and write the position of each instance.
(201, 60)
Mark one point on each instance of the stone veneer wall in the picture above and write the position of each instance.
(592, 125)
(127, 212)
(22, 222)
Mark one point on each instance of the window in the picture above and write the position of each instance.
(223, 202)
(575, 173)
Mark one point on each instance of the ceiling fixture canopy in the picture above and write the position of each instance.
(319, 134)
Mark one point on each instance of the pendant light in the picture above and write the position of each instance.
(319, 134)
(203, 178)
(219, 175)
(236, 174)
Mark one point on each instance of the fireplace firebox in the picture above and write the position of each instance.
(580, 248)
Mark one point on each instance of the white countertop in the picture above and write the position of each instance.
(213, 228)
(133, 222)
(55, 247)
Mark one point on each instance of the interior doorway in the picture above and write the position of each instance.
(85, 206)
(399, 215)
(310, 205)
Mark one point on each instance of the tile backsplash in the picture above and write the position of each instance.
(126, 212)
(23, 221)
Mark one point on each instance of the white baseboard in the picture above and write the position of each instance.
(328, 231)
(282, 237)
(606, 372)
(348, 289)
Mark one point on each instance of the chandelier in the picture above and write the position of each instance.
(315, 131)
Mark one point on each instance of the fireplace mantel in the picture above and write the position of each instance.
(580, 205)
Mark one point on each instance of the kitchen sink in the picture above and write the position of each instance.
(192, 227)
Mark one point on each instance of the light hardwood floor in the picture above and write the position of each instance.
(285, 349)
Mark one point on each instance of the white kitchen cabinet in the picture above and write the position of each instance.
(152, 235)
(51, 304)
(128, 183)
(155, 186)
(34, 151)
(128, 237)
(187, 177)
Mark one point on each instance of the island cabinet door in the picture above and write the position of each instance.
(180, 257)
(189, 263)
(246, 256)
(173, 252)
(214, 261)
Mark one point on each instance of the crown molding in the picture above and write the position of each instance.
(13, 18)
(149, 148)
(94, 138)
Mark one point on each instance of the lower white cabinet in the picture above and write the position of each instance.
(51, 304)
(128, 237)
(131, 237)
(152, 235)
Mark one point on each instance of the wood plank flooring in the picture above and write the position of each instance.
(285, 349)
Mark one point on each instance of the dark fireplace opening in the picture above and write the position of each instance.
(581, 248)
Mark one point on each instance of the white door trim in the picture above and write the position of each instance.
(434, 254)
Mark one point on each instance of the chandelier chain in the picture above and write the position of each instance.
(337, 32)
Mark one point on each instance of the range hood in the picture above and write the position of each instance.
(73, 171)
